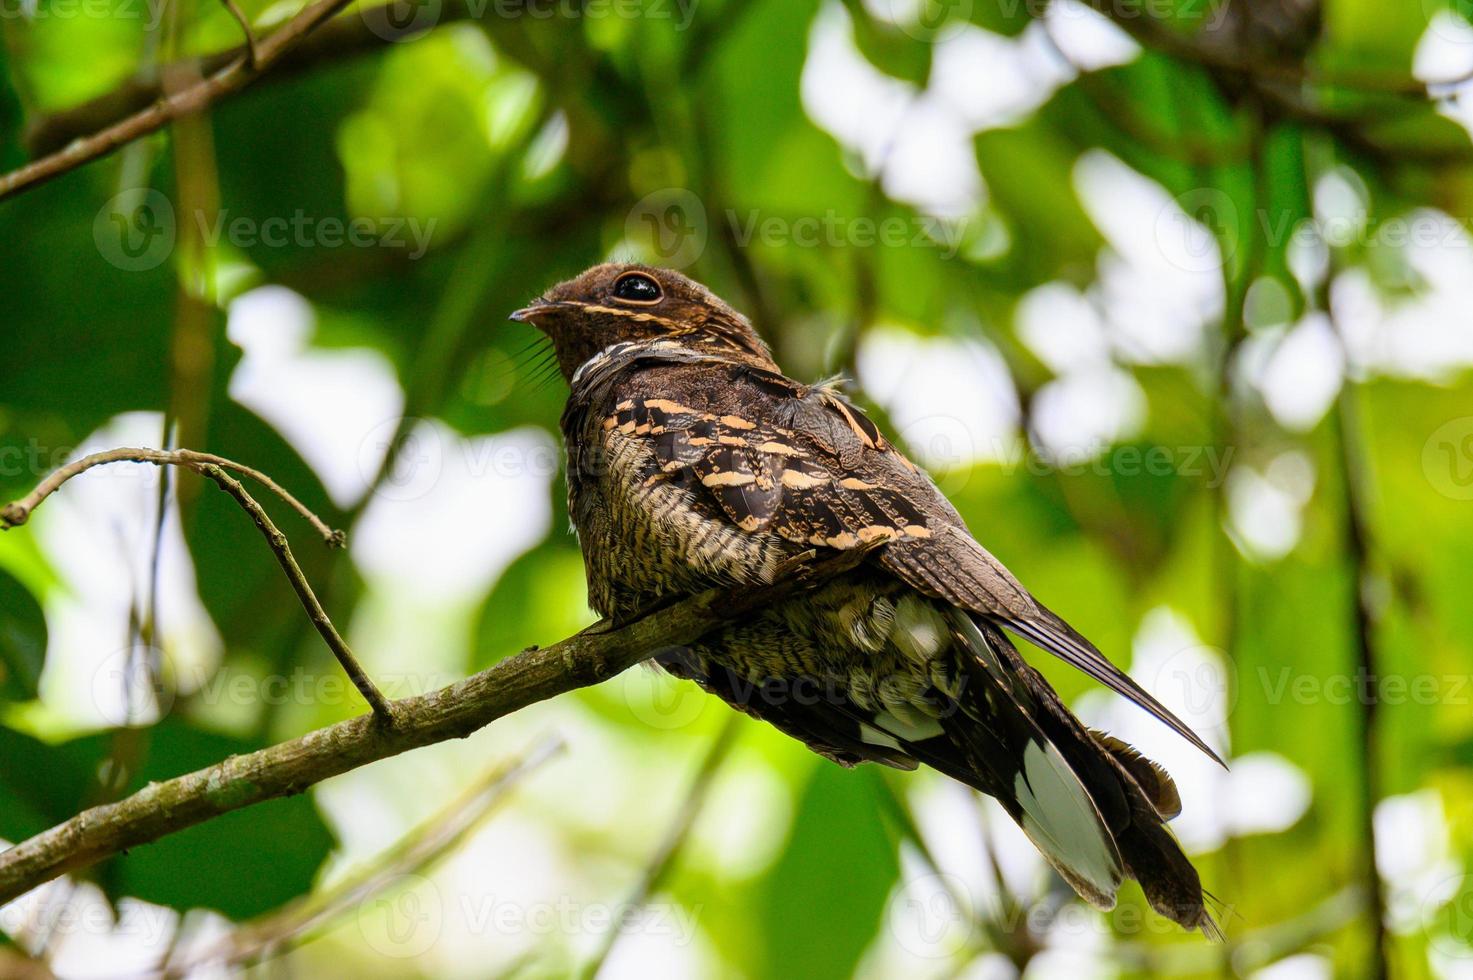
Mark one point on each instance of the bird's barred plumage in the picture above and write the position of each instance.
(693, 462)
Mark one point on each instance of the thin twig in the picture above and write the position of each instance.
(415, 853)
(17, 513)
(230, 79)
(590, 657)
(281, 548)
(214, 468)
(1356, 482)
(676, 834)
(253, 57)
(335, 41)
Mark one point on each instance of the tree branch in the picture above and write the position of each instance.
(236, 75)
(1357, 485)
(17, 513)
(590, 657)
(415, 853)
(663, 859)
(214, 467)
(336, 40)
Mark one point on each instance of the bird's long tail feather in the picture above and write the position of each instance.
(1095, 806)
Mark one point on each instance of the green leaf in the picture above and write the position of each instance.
(242, 864)
(22, 641)
(539, 600)
(825, 896)
(1029, 170)
(888, 48)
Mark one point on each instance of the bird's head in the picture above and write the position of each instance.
(612, 303)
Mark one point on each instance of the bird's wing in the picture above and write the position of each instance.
(800, 461)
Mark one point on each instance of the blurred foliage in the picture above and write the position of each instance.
(527, 141)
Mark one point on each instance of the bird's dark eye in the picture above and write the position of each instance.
(636, 287)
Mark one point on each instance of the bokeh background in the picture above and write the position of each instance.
(1172, 296)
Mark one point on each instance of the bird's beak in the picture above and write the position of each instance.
(532, 314)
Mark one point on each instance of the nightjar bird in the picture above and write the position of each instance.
(693, 463)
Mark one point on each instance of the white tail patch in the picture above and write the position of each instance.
(873, 736)
(916, 728)
(1061, 818)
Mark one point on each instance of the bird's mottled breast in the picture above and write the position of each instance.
(647, 531)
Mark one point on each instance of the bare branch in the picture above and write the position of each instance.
(17, 513)
(334, 41)
(253, 56)
(235, 76)
(214, 467)
(281, 548)
(415, 853)
(590, 657)
(663, 859)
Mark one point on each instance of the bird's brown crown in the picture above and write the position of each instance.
(613, 303)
